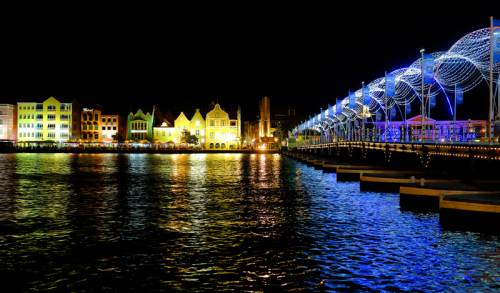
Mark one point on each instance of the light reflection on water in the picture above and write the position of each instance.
(207, 222)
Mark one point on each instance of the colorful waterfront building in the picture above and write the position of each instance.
(91, 123)
(140, 125)
(181, 123)
(50, 120)
(222, 129)
(197, 127)
(8, 122)
(112, 124)
(164, 132)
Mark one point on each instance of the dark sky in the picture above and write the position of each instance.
(181, 58)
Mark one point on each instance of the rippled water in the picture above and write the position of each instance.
(216, 222)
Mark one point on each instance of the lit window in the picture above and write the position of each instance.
(178, 127)
(185, 126)
(182, 119)
(197, 123)
(223, 123)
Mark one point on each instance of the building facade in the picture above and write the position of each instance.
(8, 122)
(164, 132)
(140, 125)
(221, 131)
(112, 124)
(91, 123)
(181, 123)
(265, 117)
(50, 120)
(197, 127)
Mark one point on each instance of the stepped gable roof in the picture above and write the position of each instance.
(148, 109)
(165, 121)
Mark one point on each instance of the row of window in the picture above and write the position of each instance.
(40, 125)
(163, 132)
(63, 135)
(90, 136)
(49, 116)
(1, 121)
(51, 107)
(222, 135)
(213, 123)
(10, 131)
(86, 117)
(109, 119)
(109, 128)
(2, 113)
(138, 135)
(95, 127)
(139, 126)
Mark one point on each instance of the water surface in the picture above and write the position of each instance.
(217, 222)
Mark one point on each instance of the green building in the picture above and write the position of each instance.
(140, 124)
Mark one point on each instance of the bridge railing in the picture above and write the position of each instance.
(458, 132)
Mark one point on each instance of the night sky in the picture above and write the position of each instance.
(181, 58)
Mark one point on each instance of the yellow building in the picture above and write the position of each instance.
(181, 123)
(222, 129)
(50, 120)
(198, 127)
(164, 132)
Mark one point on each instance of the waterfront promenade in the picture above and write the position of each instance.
(143, 150)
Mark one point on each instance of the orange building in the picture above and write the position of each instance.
(91, 123)
(112, 123)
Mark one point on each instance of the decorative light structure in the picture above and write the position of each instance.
(466, 64)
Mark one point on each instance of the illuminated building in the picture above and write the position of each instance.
(265, 117)
(198, 127)
(260, 131)
(91, 122)
(140, 125)
(222, 129)
(50, 120)
(181, 123)
(112, 123)
(8, 122)
(164, 132)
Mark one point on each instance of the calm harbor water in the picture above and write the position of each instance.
(217, 222)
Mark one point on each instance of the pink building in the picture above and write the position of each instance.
(8, 122)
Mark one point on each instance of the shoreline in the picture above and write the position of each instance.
(78, 151)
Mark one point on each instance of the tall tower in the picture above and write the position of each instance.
(265, 117)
